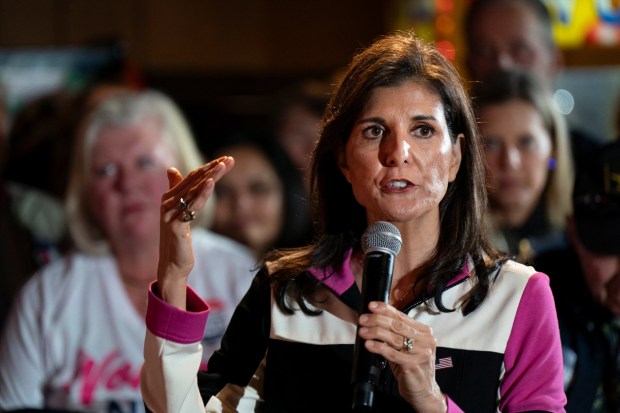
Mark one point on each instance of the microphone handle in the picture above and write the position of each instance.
(376, 284)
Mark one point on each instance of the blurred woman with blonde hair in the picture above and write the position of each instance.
(75, 336)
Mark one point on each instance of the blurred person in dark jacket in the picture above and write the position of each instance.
(18, 255)
(585, 279)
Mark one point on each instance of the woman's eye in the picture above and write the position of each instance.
(527, 142)
(424, 131)
(492, 145)
(261, 189)
(106, 170)
(146, 162)
(373, 132)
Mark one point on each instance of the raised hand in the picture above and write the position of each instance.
(179, 206)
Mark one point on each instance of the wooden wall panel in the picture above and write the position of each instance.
(27, 22)
(82, 21)
(204, 35)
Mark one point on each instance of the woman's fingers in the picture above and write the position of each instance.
(188, 195)
(394, 329)
(211, 170)
(174, 177)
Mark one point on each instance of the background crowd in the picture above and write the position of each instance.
(82, 174)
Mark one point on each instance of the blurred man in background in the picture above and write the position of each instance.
(585, 279)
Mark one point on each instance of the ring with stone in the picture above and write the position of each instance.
(188, 216)
(407, 344)
(182, 204)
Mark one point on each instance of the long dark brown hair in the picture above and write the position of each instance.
(341, 220)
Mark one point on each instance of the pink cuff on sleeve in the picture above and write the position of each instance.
(170, 323)
(452, 407)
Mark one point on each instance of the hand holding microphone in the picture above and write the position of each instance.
(381, 243)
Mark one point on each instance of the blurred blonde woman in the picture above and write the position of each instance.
(528, 161)
(75, 336)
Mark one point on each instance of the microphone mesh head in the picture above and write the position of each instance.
(383, 236)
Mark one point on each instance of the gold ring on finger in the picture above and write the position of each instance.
(407, 344)
(188, 216)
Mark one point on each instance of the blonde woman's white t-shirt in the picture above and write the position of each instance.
(74, 340)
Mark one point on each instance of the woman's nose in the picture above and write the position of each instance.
(511, 157)
(125, 179)
(397, 150)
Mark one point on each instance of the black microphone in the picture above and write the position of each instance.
(381, 243)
